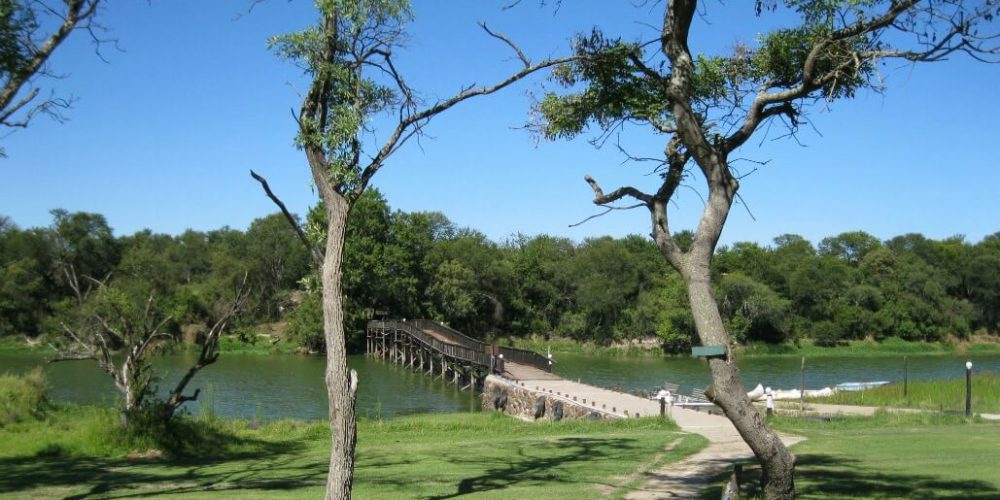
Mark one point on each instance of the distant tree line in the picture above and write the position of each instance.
(419, 264)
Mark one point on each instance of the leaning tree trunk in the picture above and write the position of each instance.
(341, 384)
(730, 394)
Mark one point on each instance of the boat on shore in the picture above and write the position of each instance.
(860, 386)
(809, 393)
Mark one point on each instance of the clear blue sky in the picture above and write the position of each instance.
(163, 135)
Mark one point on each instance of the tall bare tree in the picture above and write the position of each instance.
(25, 48)
(707, 107)
(349, 55)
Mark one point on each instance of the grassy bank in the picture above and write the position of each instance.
(648, 347)
(558, 345)
(860, 348)
(890, 456)
(888, 347)
(17, 345)
(948, 395)
(76, 451)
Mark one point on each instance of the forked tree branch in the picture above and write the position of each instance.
(603, 199)
(209, 349)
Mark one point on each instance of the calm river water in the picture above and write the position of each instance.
(290, 386)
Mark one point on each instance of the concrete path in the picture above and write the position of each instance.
(677, 480)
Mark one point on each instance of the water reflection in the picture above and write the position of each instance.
(263, 386)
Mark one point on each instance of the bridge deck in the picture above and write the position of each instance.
(517, 371)
(441, 337)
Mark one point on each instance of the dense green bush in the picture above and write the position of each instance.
(305, 324)
(22, 397)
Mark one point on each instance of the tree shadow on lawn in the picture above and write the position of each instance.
(262, 465)
(525, 467)
(821, 476)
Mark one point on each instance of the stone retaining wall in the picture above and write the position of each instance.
(500, 394)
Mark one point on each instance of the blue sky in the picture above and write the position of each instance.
(163, 134)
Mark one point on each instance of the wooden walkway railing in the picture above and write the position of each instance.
(443, 352)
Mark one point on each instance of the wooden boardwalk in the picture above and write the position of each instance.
(444, 353)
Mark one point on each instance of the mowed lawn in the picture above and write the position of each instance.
(890, 456)
(479, 455)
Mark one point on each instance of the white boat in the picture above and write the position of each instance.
(757, 393)
(809, 393)
(859, 386)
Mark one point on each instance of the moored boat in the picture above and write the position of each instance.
(859, 386)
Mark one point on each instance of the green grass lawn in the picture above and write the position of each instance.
(948, 395)
(73, 453)
(890, 456)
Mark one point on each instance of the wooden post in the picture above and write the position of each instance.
(906, 369)
(663, 407)
(732, 488)
(802, 387)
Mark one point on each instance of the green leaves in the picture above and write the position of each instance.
(616, 90)
(338, 55)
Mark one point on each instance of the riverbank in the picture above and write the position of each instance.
(645, 347)
(227, 343)
(933, 395)
(651, 348)
(77, 451)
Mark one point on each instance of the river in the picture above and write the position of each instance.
(291, 386)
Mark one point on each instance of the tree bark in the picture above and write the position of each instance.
(695, 266)
(730, 394)
(341, 384)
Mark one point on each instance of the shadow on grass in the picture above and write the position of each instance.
(539, 463)
(822, 476)
(223, 462)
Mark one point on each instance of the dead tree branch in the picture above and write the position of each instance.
(209, 349)
(314, 252)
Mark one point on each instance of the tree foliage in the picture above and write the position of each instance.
(420, 265)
